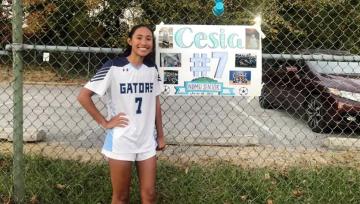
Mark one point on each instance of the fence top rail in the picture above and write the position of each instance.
(319, 57)
(56, 48)
(4, 52)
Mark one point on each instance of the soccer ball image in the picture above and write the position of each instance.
(166, 90)
(243, 91)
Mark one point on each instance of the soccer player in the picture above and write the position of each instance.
(131, 86)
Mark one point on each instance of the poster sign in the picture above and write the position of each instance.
(209, 59)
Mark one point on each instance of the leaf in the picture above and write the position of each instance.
(297, 193)
(34, 200)
(187, 170)
(267, 176)
(244, 197)
(60, 186)
(7, 200)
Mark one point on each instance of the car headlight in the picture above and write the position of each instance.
(345, 94)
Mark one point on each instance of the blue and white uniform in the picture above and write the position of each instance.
(132, 91)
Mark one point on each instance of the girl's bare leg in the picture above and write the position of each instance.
(147, 176)
(120, 173)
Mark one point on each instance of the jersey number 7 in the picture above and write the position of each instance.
(138, 100)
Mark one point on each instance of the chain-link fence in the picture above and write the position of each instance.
(307, 114)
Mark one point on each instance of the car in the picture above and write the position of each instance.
(325, 93)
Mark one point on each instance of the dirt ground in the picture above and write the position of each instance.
(37, 75)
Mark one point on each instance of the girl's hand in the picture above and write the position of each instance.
(161, 143)
(118, 120)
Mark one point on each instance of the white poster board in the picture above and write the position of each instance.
(209, 59)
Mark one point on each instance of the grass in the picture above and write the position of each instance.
(62, 181)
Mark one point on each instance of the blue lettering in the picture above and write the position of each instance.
(147, 88)
(129, 89)
(141, 88)
(179, 36)
(122, 88)
(222, 38)
(198, 37)
(203, 40)
(231, 40)
(239, 43)
(213, 40)
(135, 85)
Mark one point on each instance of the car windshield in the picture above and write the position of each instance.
(330, 67)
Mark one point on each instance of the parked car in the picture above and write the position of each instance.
(326, 94)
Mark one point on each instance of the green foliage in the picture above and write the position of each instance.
(309, 24)
(5, 27)
(288, 25)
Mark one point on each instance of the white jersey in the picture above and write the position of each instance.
(131, 91)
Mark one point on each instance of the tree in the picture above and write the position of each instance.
(288, 25)
(309, 24)
(5, 24)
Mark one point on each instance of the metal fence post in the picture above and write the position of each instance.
(19, 168)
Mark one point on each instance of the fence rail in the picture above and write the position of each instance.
(65, 48)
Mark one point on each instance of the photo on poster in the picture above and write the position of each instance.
(245, 60)
(240, 77)
(171, 77)
(252, 39)
(166, 37)
(170, 60)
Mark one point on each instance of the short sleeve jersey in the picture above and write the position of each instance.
(130, 90)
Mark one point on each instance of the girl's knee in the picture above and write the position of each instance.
(120, 197)
(148, 195)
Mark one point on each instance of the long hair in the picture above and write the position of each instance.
(150, 58)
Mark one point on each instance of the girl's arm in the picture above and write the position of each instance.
(159, 126)
(87, 103)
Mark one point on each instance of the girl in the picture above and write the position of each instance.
(131, 87)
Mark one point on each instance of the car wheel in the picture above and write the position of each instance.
(264, 103)
(316, 116)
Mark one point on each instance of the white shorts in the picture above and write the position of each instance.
(129, 156)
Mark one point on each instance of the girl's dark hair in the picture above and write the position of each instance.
(150, 58)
